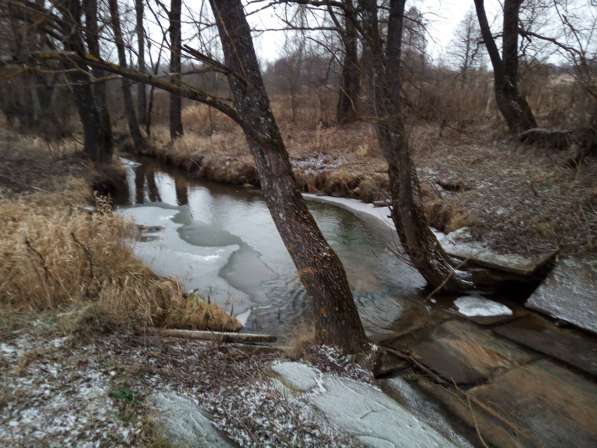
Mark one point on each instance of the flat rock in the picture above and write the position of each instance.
(374, 418)
(568, 346)
(360, 409)
(552, 406)
(428, 410)
(488, 426)
(295, 375)
(461, 352)
(458, 244)
(180, 421)
(569, 293)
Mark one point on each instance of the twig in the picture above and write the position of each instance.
(41, 258)
(87, 253)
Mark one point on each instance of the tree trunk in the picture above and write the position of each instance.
(513, 107)
(347, 110)
(176, 129)
(182, 191)
(337, 321)
(79, 79)
(419, 242)
(99, 87)
(141, 92)
(129, 108)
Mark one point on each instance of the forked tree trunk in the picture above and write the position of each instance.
(141, 92)
(99, 87)
(347, 110)
(129, 108)
(176, 129)
(512, 105)
(416, 237)
(320, 270)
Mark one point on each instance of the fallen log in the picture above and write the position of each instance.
(218, 336)
(549, 138)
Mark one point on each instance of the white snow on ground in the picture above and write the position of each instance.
(472, 306)
(51, 403)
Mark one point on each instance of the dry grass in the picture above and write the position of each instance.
(57, 258)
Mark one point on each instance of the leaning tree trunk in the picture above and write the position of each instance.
(320, 270)
(141, 92)
(129, 108)
(99, 87)
(421, 245)
(176, 129)
(347, 111)
(512, 105)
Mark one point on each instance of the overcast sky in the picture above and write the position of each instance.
(443, 17)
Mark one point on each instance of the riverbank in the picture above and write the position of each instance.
(448, 376)
(517, 199)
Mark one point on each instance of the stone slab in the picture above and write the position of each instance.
(569, 293)
(361, 409)
(295, 375)
(552, 406)
(180, 421)
(489, 430)
(373, 418)
(568, 346)
(465, 354)
(458, 244)
(428, 410)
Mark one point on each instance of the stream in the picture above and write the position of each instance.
(221, 242)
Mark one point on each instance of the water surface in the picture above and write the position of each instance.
(222, 242)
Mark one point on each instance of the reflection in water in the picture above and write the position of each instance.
(222, 242)
(182, 192)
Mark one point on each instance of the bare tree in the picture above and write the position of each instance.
(99, 87)
(176, 129)
(318, 265)
(422, 247)
(512, 105)
(573, 38)
(348, 92)
(466, 48)
(129, 108)
(79, 78)
(141, 88)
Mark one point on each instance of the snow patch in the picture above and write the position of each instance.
(356, 206)
(473, 306)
